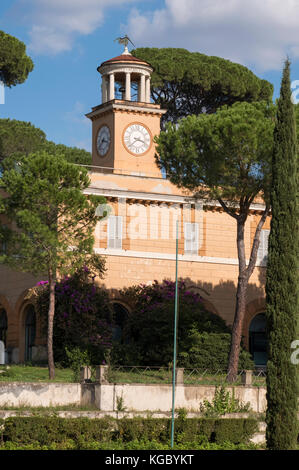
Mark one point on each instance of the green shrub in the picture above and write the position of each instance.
(45, 430)
(237, 431)
(203, 337)
(208, 350)
(222, 403)
(83, 433)
(77, 359)
(132, 445)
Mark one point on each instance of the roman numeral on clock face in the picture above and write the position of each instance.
(137, 139)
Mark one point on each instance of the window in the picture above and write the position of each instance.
(258, 340)
(262, 253)
(115, 232)
(3, 326)
(120, 316)
(191, 238)
(3, 245)
(30, 331)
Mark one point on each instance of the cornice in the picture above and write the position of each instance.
(156, 197)
(128, 107)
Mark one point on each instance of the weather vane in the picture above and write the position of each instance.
(124, 40)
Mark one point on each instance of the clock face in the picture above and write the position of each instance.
(137, 139)
(103, 140)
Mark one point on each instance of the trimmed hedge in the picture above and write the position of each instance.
(46, 430)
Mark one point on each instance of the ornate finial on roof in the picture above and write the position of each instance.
(124, 40)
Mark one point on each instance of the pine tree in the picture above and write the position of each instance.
(282, 278)
(226, 156)
(51, 222)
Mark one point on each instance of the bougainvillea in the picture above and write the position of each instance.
(83, 316)
(150, 326)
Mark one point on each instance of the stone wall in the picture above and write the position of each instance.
(19, 394)
(129, 397)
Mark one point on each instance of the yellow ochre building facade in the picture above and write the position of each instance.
(138, 238)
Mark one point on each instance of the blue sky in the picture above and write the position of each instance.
(68, 39)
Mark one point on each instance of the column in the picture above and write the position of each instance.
(148, 89)
(104, 89)
(111, 86)
(128, 87)
(142, 88)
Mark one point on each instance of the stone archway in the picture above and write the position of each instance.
(252, 309)
(258, 340)
(40, 349)
(29, 331)
(3, 325)
(6, 325)
(120, 312)
(206, 303)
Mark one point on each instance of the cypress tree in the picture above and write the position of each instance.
(282, 278)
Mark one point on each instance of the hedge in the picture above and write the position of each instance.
(45, 430)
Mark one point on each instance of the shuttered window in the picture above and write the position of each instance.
(115, 229)
(191, 238)
(262, 253)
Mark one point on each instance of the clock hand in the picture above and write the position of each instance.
(136, 138)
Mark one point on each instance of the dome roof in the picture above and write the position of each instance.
(125, 58)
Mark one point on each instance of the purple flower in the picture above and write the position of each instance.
(42, 283)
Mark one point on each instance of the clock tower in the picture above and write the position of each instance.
(123, 128)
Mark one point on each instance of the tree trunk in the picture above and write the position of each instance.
(52, 282)
(233, 361)
(237, 329)
(243, 279)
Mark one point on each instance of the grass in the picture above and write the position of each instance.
(25, 373)
(28, 373)
(164, 375)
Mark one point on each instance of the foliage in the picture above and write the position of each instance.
(143, 444)
(210, 351)
(19, 138)
(227, 153)
(282, 278)
(187, 83)
(77, 359)
(223, 402)
(15, 65)
(51, 213)
(44, 430)
(225, 156)
(120, 403)
(149, 329)
(296, 111)
(71, 154)
(83, 318)
(51, 221)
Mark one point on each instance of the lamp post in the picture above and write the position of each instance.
(175, 332)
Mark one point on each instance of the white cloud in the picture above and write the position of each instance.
(82, 144)
(77, 114)
(56, 23)
(259, 33)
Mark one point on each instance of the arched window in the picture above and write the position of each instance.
(3, 325)
(258, 339)
(30, 330)
(120, 314)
